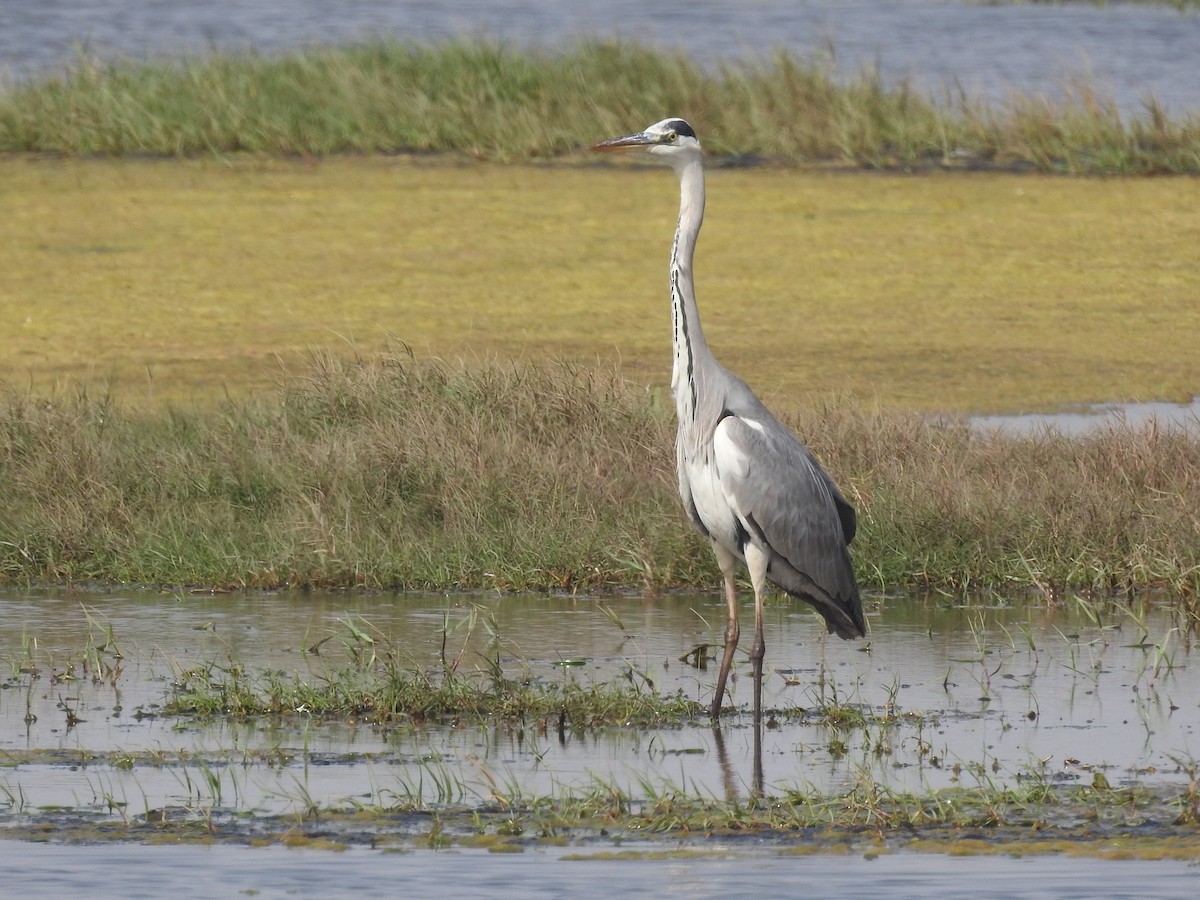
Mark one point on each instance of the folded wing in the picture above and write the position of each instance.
(785, 501)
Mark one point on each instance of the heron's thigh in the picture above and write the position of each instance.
(726, 560)
(757, 560)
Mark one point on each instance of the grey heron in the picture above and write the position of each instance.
(747, 483)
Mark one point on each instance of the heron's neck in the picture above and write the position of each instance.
(691, 350)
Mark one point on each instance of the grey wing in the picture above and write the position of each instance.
(783, 498)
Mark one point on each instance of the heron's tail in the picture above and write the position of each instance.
(841, 609)
(842, 617)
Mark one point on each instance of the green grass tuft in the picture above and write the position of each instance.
(387, 692)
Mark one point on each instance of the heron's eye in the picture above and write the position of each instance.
(671, 137)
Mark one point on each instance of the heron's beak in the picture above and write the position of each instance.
(629, 142)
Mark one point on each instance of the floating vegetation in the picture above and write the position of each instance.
(379, 686)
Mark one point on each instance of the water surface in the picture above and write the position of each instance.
(960, 696)
(988, 50)
(954, 696)
(153, 872)
(1082, 420)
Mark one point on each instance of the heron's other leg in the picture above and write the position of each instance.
(757, 561)
(728, 563)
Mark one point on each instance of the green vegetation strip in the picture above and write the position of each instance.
(394, 693)
(393, 473)
(496, 102)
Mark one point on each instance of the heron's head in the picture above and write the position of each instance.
(671, 140)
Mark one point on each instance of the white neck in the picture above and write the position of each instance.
(691, 349)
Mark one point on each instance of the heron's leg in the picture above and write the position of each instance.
(757, 561)
(728, 563)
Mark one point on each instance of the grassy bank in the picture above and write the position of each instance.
(490, 101)
(394, 473)
(198, 278)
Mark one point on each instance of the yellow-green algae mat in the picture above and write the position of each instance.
(1104, 831)
(180, 281)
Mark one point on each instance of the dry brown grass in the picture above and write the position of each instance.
(391, 472)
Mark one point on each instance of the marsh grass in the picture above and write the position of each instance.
(493, 101)
(379, 684)
(379, 473)
(390, 693)
(1175, 4)
(389, 472)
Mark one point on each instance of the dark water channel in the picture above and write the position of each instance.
(987, 50)
(153, 872)
(975, 695)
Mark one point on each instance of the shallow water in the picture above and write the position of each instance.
(1076, 421)
(988, 50)
(970, 695)
(979, 695)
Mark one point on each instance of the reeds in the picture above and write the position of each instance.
(391, 472)
(491, 101)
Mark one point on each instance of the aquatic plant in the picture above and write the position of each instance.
(389, 693)
(431, 800)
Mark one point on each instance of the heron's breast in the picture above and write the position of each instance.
(712, 506)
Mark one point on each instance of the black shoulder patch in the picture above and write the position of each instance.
(694, 515)
(682, 127)
(743, 536)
